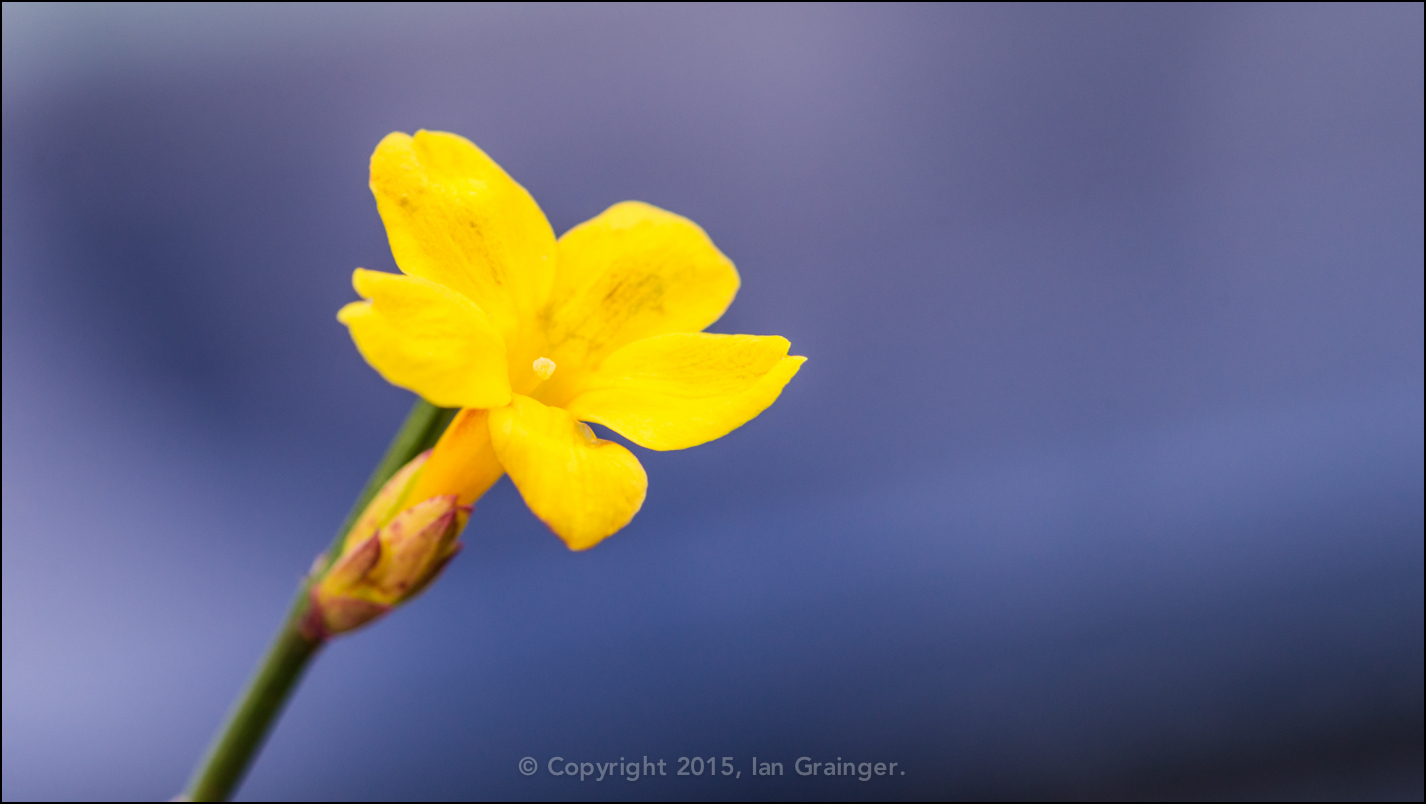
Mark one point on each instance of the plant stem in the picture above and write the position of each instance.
(253, 715)
(251, 718)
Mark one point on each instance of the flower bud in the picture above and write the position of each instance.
(392, 553)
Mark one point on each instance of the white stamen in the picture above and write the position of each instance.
(544, 367)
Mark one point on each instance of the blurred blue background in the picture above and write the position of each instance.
(1104, 478)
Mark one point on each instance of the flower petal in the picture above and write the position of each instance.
(630, 273)
(463, 461)
(455, 217)
(583, 487)
(683, 389)
(420, 335)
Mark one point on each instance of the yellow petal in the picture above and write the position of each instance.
(420, 335)
(583, 487)
(630, 273)
(463, 462)
(455, 217)
(684, 389)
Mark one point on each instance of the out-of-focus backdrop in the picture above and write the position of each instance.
(1104, 477)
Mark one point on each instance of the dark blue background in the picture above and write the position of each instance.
(1104, 477)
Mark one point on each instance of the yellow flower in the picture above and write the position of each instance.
(533, 336)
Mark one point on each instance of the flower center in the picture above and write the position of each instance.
(544, 367)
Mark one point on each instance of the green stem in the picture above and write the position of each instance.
(242, 735)
(256, 710)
